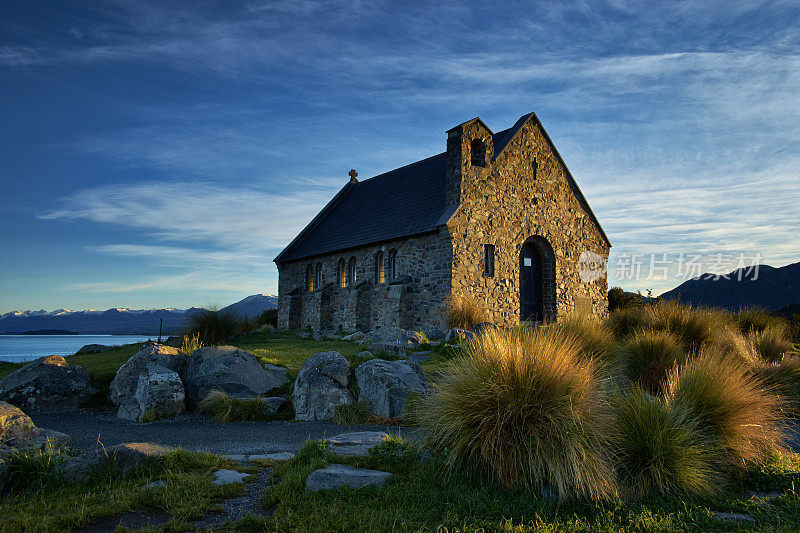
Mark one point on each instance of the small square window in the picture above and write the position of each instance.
(488, 260)
(526, 261)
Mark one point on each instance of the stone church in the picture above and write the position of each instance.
(497, 218)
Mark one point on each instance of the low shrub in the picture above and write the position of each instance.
(224, 408)
(268, 317)
(214, 327)
(648, 356)
(739, 416)
(619, 299)
(32, 469)
(464, 312)
(659, 449)
(771, 342)
(526, 408)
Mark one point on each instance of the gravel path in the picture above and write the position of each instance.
(194, 433)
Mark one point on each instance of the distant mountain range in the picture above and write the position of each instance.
(774, 289)
(123, 320)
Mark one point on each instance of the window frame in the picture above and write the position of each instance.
(477, 157)
(310, 278)
(341, 273)
(392, 265)
(318, 276)
(489, 259)
(351, 271)
(380, 272)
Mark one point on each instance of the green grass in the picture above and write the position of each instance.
(56, 505)
(224, 408)
(421, 497)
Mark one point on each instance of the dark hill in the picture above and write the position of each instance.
(773, 289)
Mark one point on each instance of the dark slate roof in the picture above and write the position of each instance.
(401, 203)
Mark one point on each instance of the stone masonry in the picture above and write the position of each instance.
(522, 194)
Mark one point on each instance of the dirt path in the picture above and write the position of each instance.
(194, 433)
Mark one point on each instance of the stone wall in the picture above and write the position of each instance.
(412, 300)
(508, 202)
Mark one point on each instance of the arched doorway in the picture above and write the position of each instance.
(536, 281)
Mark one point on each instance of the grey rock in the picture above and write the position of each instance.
(337, 476)
(237, 457)
(419, 357)
(124, 456)
(46, 437)
(275, 456)
(159, 393)
(357, 336)
(47, 383)
(126, 381)
(392, 336)
(483, 327)
(155, 484)
(456, 335)
(365, 355)
(174, 341)
(15, 426)
(321, 385)
(357, 443)
(226, 477)
(275, 404)
(734, 517)
(388, 349)
(92, 348)
(233, 371)
(385, 385)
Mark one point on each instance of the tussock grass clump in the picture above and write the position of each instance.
(224, 408)
(756, 319)
(738, 414)
(214, 327)
(191, 343)
(526, 408)
(464, 312)
(623, 322)
(352, 414)
(30, 469)
(784, 377)
(693, 327)
(595, 339)
(772, 342)
(648, 356)
(659, 449)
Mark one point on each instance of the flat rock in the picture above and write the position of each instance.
(226, 477)
(357, 443)
(734, 517)
(336, 476)
(275, 456)
(47, 383)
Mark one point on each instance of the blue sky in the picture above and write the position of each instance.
(158, 155)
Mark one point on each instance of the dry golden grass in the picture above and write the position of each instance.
(595, 339)
(526, 408)
(771, 343)
(693, 327)
(648, 356)
(464, 312)
(737, 413)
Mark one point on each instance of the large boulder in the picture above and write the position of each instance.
(392, 336)
(336, 476)
(233, 371)
(92, 348)
(126, 381)
(17, 431)
(159, 394)
(47, 383)
(15, 426)
(322, 384)
(458, 335)
(385, 385)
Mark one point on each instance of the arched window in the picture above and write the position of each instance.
(477, 152)
(318, 276)
(380, 275)
(309, 278)
(341, 273)
(535, 168)
(392, 265)
(351, 271)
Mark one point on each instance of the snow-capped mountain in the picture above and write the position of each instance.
(122, 320)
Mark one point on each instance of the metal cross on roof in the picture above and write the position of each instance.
(353, 174)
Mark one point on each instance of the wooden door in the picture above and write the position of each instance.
(531, 297)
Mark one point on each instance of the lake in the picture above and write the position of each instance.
(18, 348)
